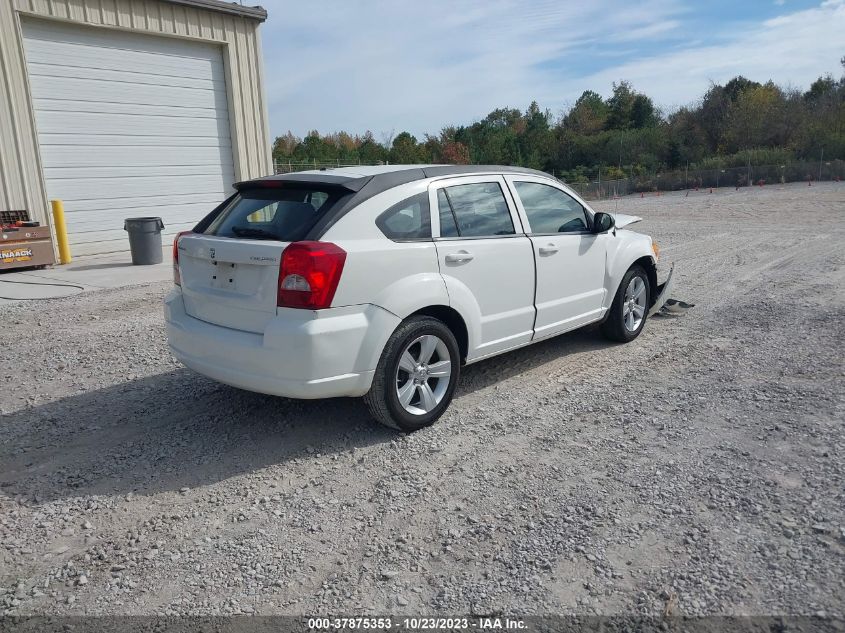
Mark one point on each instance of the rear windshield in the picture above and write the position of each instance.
(274, 214)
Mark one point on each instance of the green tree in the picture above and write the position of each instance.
(736, 86)
(643, 113)
(369, 151)
(405, 150)
(821, 87)
(625, 132)
(619, 105)
(756, 119)
(588, 115)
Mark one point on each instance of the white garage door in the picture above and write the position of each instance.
(128, 125)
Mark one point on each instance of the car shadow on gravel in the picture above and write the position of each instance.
(177, 429)
(167, 432)
(499, 368)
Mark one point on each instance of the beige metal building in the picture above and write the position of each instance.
(125, 108)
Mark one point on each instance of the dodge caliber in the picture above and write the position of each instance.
(383, 282)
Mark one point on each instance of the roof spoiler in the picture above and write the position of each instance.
(298, 179)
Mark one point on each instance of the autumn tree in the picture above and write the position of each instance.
(455, 153)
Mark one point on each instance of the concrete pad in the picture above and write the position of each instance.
(92, 272)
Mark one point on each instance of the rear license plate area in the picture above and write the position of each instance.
(224, 275)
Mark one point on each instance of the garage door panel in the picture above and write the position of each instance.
(189, 211)
(91, 57)
(97, 74)
(89, 210)
(51, 104)
(103, 48)
(112, 188)
(128, 125)
(119, 173)
(174, 215)
(88, 141)
(52, 122)
(90, 90)
(68, 156)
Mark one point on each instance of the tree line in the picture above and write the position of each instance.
(738, 123)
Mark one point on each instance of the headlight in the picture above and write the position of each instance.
(656, 250)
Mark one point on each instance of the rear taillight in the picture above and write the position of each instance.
(309, 274)
(177, 278)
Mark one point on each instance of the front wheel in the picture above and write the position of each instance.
(629, 310)
(416, 376)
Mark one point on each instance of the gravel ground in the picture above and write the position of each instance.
(698, 470)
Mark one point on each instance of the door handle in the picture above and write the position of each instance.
(459, 258)
(551, 249)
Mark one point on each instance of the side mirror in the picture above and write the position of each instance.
(603, 222)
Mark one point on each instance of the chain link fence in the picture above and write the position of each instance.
(677, 180)
(287, 167)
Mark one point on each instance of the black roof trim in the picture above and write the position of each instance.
(375, 185)
(364, 188)
(456, 170)
(299, 178)
(390, 179)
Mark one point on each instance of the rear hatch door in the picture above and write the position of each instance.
(230, 282)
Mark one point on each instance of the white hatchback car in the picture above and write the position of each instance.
(383, 281)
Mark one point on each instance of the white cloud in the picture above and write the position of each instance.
(791, 49)
(385, 65)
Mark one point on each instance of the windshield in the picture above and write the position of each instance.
(284, 214)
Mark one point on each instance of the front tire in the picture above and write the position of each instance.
(416, 375)
(629, 310)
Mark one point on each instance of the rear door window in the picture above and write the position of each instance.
(284, 214)
(478, 209)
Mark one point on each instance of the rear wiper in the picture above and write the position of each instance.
(261, 234)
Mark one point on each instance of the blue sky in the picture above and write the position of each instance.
(394, 65)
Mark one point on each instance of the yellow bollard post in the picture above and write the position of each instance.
(61, 231)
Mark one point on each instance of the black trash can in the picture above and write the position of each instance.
(144, 239)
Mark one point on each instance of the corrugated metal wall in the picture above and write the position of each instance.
(21, 181)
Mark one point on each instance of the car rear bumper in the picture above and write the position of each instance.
(301, 354)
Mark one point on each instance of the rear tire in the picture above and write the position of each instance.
(416, 375)
(629, 311)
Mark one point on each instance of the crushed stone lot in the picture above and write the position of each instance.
(698, 470)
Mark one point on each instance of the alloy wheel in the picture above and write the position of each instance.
(633, 305)
(423, 374)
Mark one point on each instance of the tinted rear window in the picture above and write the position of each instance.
(275, 214)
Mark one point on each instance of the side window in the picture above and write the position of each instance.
(550, 210)
(407, 220)
(479, 209)
(448, 228)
